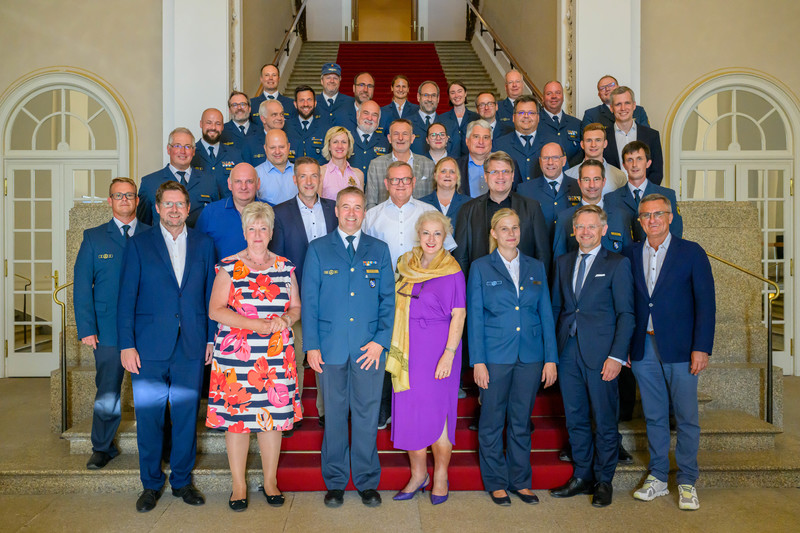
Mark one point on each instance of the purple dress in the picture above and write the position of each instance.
(420, 413)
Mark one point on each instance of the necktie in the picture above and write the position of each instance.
(637, 196)
(125, 229)
(350, 249)
(241, 128)
(427, 121)
(527, 140)
(330, 102)
(182, 174)
(581, 275)
(305, 125)
(555, 119)
(211, 152)
(270, 97)
(366, 138)
(554, 185)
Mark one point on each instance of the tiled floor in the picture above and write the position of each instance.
(26, 439)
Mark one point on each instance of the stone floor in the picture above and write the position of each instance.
(25, 405)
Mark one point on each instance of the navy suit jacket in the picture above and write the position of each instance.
(505, 111)
(307, 142)
(421, 131)
(468, 117)
(455, 204)
(347, 303)
(526, 158)
(604, 310)
(623, 200)
(648, 136)
(153, 309)
(364, 153)
(604, 116)
(289, 237)
(569, 194)
(389, 113)
(567, 134)
(232, 136)
(682, 304)
(506, 327)
(96, 278)
(288, 108)
(220, 168)
(617, 237)
(202, 190)
(335, 114)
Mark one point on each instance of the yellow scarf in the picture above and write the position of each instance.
(410, 271)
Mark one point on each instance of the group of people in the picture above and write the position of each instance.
(391, 249)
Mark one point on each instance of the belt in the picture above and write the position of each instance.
(651, 333)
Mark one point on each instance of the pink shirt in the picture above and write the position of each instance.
(334, 181)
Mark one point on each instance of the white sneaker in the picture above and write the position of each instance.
(687, 498)
(651, 489)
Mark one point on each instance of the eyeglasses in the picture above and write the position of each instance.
(522, 114)
(592, 227)
(437, 135)
(186, 147)
(121, 195)
(503, 172)
(241, 105)
(429, 95)
(396, 181)
(170, 205)
(655, 214)
(550, 158)
(607, 86)
(485, 105)
(365, 86)
(409, 295)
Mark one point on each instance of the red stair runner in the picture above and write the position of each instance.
(299, 467)
(418, 61)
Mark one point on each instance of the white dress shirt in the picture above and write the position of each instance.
(178, 178)
(132, 225)
(177, 251)
(343, 236)
(513, 269)
(313, 219)
(652, 261)
(623, 138)
(641, 188)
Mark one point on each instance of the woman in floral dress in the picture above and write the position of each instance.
(254, 374)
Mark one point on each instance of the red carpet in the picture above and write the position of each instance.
(299, 468)
(418, 61)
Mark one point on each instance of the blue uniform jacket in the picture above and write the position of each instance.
(220, 168)
(96, 278)
(232, 136)
(335, 114)
(202, 191)
(421, 131)
(526, 158)
(568, 133)
(505, 111)
(617, 238)
(623, 200)
(288, 108)
(346, 304)
(503, 327)
(468, 117)
(389, 113)
(455, 204)
(364, 153)
(569, 194)
(307, 142)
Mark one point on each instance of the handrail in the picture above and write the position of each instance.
(485, 27)
(25, 306)
(284, 46)
(772, 297)
(63, 354)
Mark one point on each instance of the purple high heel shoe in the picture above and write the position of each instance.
(436, 500)
(400, 496)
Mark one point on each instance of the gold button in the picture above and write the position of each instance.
(517, 328)
(352, 270)
(352, 294)
(352, 319)
(516, 308)
(521, 288)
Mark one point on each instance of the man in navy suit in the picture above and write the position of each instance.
(202, 187)
(332, 104)
(636, 161)
(96, 278)
(602, 113)
(348, 312)
(523, 144)
(369, 140)
(428, 98)
(675, 318)
(270, 78)
(211, 156)
(239, 131)
(626, 130)
(298, 221)
(557, 126)
(306, 130)
(514, 87)
(593, 306)
(486, 104)
(165, 338)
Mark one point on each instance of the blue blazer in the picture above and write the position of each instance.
(569, 194)
(289, 237)
(648, 136)
(307, 143)
(96, 278)
(202, 190)
(468, 117)
(604, 116)
(420, 130)
(364, 153)
(682, 304)
(568, 133)
(526, 158)
(455, 204)
(505, 327)
(232, 136)
(347, 303)
(623, 200)
(617, 238)
(334, 114)
(288, 107)
(505, 111)
(153, 309)
(221, 166)
(389, 113)
(604, 311)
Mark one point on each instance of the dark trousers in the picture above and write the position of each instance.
(107, 410)
(349, 389)
(509, 398)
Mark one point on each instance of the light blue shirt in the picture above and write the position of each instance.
(477, 184)
(276, 186)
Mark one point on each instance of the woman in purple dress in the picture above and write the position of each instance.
(425, 356)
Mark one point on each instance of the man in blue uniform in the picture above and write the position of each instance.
(514, 87)
(523, 144)
(306, 130)
(363, 89)
(239, 130)
(270, 78)
(213, 157)
(428, 98)
(369, 140)
(557, 126)
(486, 104)
(332, 104)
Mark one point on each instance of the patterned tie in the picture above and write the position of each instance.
(125, 229)
(366, 138)
(350, 249)
(182, 174)
(305, 125)
(211, 152)
(527, 140)
(241, 128)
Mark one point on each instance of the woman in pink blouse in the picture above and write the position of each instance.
(337, 173)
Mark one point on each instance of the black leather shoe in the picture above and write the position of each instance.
(573, 487)
(147, 500)
(602, 494)
(98, 460)
(503, 501)
(624, 457)
(334, 498)
(190, 495)
(322, 421)
(565, 455)
(473, 424)
(237, 505)
(526, 498)
(288, 433)
(298, 424)
(370, 497)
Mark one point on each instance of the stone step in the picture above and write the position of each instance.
(741, 387)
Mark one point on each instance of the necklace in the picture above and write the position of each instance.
(256, 263)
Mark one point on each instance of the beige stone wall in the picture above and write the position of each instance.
(116, 41)
(263, 27)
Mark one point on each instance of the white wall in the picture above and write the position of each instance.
(326, 19)
(443, 20)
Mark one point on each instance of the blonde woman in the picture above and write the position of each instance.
(337, 173)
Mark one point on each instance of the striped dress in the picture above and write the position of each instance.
(254, 377)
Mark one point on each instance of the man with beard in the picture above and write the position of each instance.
(270, 78)
(428, 98)
(332, 104)
(239, 131)
(369, 141)
(213, 157)
(363, 89)
(306, 131)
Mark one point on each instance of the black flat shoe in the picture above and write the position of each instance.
(602, 494)
(334, 498)
(189, 494)
(98, 460)
(322, 421)
(503, 501)
(624, 457)
(526, 498)
(237, 505)
(370, 497)
(275, 501)
(147, 500)
(573, 487)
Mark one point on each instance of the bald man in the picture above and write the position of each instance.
(213, 157)
(276, 173)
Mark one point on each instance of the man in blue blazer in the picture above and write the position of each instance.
(211, 155)
(428, 98)
(348, 314)
(369, 139)
(202, 187)
(593, 306)
(306, 130)
(96, 278)
(165, 338)
(675, 318)
(626, 130)
(239, 131)
(636, 160)
(523, 144)
(332, 104)
(557, 126)
(603, 114)
(270, 78)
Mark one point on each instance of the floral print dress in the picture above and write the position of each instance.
(254, 377)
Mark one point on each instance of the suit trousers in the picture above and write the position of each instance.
(349, 389)
(178, 382)
(510, 397)
(587, 397)
(107, 409)
(659, 383)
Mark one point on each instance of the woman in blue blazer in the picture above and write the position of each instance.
(462, 116)
(446, 181)
(512, 348)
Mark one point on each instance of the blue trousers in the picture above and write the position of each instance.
(178, 382)
(347, 389)
(107, 411)
(659, 383)
(509, 398)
